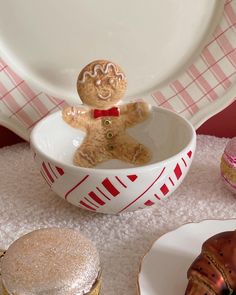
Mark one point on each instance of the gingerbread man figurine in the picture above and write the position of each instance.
(101, 85)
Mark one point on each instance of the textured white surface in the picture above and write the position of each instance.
(27, 204)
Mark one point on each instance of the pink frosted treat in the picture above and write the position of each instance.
(228, 165)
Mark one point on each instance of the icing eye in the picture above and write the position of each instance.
(98, 82)
(111, 81)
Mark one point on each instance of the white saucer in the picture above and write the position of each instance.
(164, 268)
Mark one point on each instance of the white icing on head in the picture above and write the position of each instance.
(104, 97)
(104, 69)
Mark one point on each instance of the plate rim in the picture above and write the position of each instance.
(138, 288)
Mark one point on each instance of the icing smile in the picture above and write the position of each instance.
(104, 97)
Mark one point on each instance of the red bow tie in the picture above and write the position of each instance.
(113, 112)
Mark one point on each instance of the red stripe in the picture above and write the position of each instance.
(177, 171)
(185, 164)
(51, 169)
(216, 70)
(45, 178)
(47, 172)
(53, 99)
(96, 198)
(121, 182)
(217, 35)
(28, 92)
(23, 118)
(28, 103)
(193, 81)
(132, 177)
(196, 101)
(87, 206)
(149, 203)
(12, 105)
(50, 111)
(161, 100)
(171, 181)
(74, 187)
(110, 187)
(5, 92)
(30, 97)
(224, 43)
(91, 202)
(227, 47)
(202, 82)
(184, 96)
(230, 13)
(164, 189)
(103, 194)
(60, 170)
(189, 154)
(157, 196)
(13, 76)
(1, 69)
(36, 102)
(144, 191)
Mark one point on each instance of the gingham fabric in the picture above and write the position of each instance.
(210, 76)
(201, 84)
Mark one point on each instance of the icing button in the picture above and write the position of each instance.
(107, 122)
(110, 147)
(109, 135)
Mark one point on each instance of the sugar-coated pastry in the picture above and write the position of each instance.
(228, 165)
(101, 85)
(213, 272)
(52, 261)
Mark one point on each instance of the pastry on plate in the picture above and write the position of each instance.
(213, 272)
(228, 165)
(53, 261)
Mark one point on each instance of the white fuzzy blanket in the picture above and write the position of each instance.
(28, 204)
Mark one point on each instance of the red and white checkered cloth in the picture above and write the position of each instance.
(202, 83)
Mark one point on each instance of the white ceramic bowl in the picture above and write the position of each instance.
(113, 186)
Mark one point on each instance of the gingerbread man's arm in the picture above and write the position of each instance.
(135, 112)
(76, 117)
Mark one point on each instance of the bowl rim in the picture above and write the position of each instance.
(70, 167)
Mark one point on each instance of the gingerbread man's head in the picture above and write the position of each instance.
(101, 84)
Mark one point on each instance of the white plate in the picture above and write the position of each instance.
(164, 268)
(48, 42)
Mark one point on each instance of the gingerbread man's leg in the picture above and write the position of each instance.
(131, 151)
(89, 155)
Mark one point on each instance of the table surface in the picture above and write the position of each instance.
(122, 240)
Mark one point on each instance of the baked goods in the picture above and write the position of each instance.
(101, 84)
(55, 261)
(214, 270)
(228, 165)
